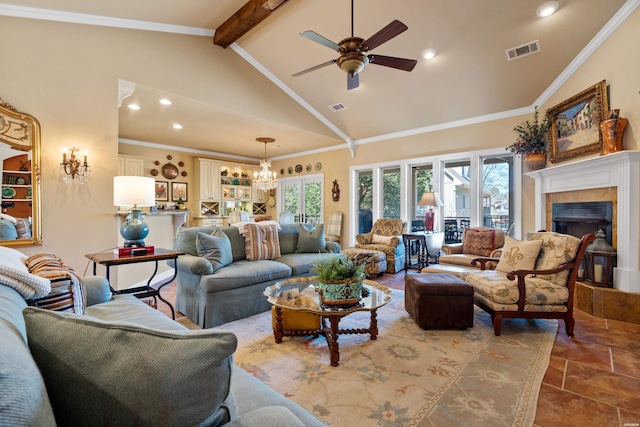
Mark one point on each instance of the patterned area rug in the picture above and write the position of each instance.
(408, 376)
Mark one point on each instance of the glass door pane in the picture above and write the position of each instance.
(457, 199)
(421, 182)
(497, 190)
(365, 201)
(303, 198)
(312, 203)
(391, 193)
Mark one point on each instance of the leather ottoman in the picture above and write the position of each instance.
(438, 301)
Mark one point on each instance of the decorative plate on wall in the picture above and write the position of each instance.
(290, 170)
(170, 171)
(308, 168)
(318, 166)
(298, 168)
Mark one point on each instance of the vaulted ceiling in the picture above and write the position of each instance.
(469, 79)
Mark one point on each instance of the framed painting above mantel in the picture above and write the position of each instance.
(574, 129)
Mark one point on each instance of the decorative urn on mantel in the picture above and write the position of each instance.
(612, 130)
(531, 144)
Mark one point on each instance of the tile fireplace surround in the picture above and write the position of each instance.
(620, 170)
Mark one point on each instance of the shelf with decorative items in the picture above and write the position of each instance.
(236, 193)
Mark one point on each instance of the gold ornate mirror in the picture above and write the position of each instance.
(20, 154)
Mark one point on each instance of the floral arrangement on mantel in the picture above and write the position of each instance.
(532, 137)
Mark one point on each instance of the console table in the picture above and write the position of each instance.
(109, 259)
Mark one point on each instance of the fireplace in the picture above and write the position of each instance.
(619, 171)
(580, 218)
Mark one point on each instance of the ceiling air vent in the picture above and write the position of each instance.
(523, 50)
(337, 107)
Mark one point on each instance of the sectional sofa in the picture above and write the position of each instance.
(122, 364)
(212, 290)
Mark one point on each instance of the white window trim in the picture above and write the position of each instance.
(476, 159)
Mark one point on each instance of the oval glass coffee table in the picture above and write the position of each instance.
(300, 294)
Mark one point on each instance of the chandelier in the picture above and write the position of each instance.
(72, 169)
(265, 180)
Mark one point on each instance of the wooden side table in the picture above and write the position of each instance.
(109, 259)
(422, 243)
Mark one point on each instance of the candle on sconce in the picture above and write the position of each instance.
(64, 154)
(580, 273)
(85, 157)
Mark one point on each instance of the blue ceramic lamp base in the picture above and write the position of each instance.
(134, 230)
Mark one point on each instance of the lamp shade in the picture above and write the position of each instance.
(133, 191)
(430, 199)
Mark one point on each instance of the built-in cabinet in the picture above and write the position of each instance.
(223, 187)
(130, 165)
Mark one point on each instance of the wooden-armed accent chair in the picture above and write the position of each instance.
(534, 278)
(386, 236)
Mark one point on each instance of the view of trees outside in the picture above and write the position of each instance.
(497, 189)
(365, 201)
(422, 183)
(391, 193)
(312, 200)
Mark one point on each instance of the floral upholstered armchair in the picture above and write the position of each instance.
(534, 278)
(386, 236)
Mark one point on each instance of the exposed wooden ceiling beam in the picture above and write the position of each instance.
(247, 17)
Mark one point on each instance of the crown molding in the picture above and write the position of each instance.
(104, 21)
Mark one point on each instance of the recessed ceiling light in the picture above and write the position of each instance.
(547, 8)
(133, 106)
(165, 101)
(177, 126)
(429, 53)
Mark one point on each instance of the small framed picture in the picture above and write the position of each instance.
(162, 191)
(178, 191)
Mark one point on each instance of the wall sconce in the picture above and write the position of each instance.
(72, 169)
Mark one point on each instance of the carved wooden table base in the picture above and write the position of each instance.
(330, 333)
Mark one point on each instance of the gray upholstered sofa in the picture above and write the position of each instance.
(125, 364)
(210, 298)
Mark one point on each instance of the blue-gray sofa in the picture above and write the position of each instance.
(125, 364)
(210, 298)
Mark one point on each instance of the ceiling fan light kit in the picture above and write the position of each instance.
(429, 53)
(353, 52)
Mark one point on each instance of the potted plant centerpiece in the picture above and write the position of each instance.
(339, 280)
(532, 142)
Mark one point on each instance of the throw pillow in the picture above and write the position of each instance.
(215, 247)
(477, 241)
(23, 228)
(381, 240)
(8, 230)
(311, 239)
(556, 249)
(116, 373)
(517, 255)
(261, 242)
(67, 287)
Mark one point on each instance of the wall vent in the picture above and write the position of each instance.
(523, 50)
(337, 107)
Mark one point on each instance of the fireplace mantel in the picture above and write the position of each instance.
(620, 170)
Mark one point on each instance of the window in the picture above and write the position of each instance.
(497, 192)
(422, 182)
(391, 193)
(365, 201)
(303, 198)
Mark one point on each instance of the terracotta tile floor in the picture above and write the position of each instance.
(593, 379)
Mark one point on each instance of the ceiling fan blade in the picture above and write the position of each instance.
(324, 64)
(312, 35)
(393, 62)
(384, 35)
(353, 81)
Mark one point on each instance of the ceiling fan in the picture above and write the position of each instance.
(354, 55)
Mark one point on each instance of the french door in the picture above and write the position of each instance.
(303, 197)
